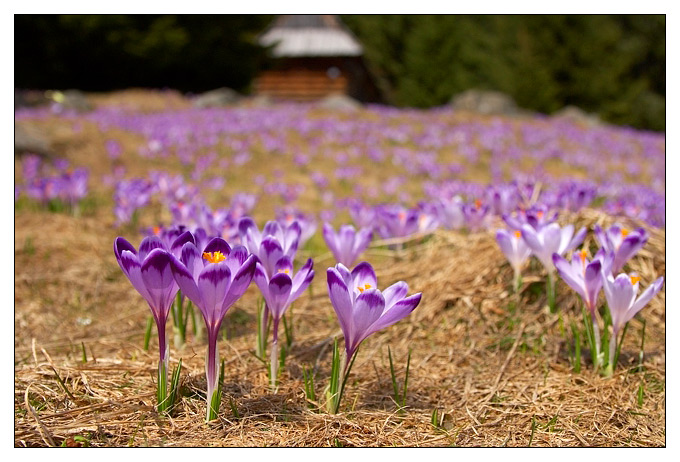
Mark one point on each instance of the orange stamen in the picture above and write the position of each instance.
(539, 214)
(402, 216)
(156, 230)
(365, 287)
(624, 232)
(634, 280)
(518, 234)
(286, 271)
(214, 257)
(478, 203)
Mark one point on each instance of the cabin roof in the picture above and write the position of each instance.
(308, 35)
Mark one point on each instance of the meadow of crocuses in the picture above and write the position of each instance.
(276, 220)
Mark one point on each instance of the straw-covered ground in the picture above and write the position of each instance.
(487, 368)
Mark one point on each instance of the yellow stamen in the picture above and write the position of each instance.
(286, 270)
(583, 255)
(365, 287)
(518, 234)
(624, 232)
(634, 279)
(214, 257)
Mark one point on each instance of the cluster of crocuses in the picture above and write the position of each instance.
(435, 146)
(536, 232)
(47, 184)
(213, 275)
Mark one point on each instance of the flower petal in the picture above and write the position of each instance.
(340, 299)
(121, 244)
(157, 275)
(217, 244)
(643, 299)
(133, 270)
(242, 279)
(185, 279)
(178, 243)
(279, 290)
(213, 284)
(395, 313)
(148, 244)
(394, 293)
(368, 307)
(363, 275)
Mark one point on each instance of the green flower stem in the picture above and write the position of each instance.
(346, 367)
(274, 363)
(596, 338)
(550, 291)
(178, 322)
(262, 329)
(163, 404)
(517, 281)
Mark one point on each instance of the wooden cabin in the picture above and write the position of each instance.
(314, 56)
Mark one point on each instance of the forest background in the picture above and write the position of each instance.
(612, 65)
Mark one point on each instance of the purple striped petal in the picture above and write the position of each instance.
(192, 260)
(643, 299)
(302, 279)
(213, 284)
(239, 254)
(394, 293)
(593, 283)
(148, 244)
(397, 312)
(186, 280)
(157, 275)
(279, 290)
(576, 240)
(217, 244)
(368, 307)
(242, 279)
(177, 244)
(133, 270)
(363, 275)
(331, 242)
(261, 279)
(120, 244)
(340, 299)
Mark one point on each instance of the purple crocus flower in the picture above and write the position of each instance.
(450, 212)
(361, 308)
(536, 216)
(306, 222)
(585, 277)
(476, 215)
(515, 250)
(623, 302)
(279, 292)
(623, 244)
(273, 243)
(545, 242)
(213, 281)
(394, 220)
(347, 244)
(149, 271)
(551, 239)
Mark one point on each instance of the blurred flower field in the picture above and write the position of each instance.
(491, 350)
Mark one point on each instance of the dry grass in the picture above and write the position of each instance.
(496, 375)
